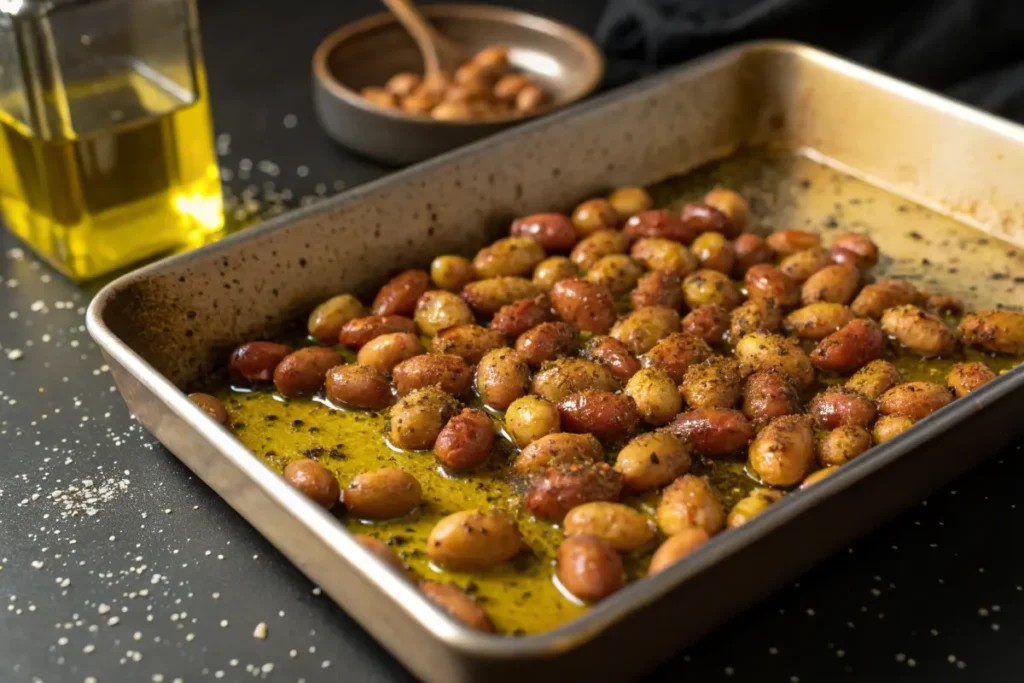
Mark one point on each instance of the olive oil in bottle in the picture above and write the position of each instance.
(106, 149)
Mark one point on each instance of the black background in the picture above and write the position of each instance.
(935, 595)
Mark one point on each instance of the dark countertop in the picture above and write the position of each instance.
(116, 564)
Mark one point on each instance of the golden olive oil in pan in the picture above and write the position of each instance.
(784, 191)
(96, 203)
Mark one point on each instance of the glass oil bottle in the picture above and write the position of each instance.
(106, 141)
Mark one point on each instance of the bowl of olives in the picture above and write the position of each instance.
(371, 96)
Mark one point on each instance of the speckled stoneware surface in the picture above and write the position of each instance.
(183, 316)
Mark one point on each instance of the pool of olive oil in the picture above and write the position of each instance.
(141, 186)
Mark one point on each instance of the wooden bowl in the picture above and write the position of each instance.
(565, 62)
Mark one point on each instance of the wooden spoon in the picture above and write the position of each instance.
(440, 54)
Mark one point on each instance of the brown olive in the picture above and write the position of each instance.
(303, 371)
(875, 378)
(676, 547)
(508, 257)
(875, 298)
(457, 604)
(711, 287)
(690, 501)
(841, 406)
(358, 386)
(715, 383)
(997, 331)
(750, 250)
(589, 568)
(769, 394)
(890, 426)
(620, 526)
(402, 84)
(658, 288)
(557, 380)
(552, 231)
(850, 348)
(380, 97)
(358, 332)
(553, 269)
(327, 319)
(469, 342)
(629, 201)
(786, 242)
(382, 494)
(418, 418)
(706, 218)
(596, 246)
(593, 215)
(783, 452)
(709, 323)
(546, 342)
(858, 244)
(919, 332)
(652, 460)
(799, 267)
(768, 282)
(915, 400)
(714, 252)
(842, 445)
(438, 310)
(656, 395)
(466, 441)
(610, 417)
(211, 406)
(586, 305)
(713, 432)
(256, 361)
(754, 504)
(659, 224)
(472, 540)
(964, 378)
(835, 283)
(385, 554)
(314, 480)
(557, 490)
(502, 376)
(675, 353)
(510, 85)
(448, 372)
(452, 273)
(645, 327)
(732, 205)
(529, 418)
(817, 476)
(555, 450)
(400, 294)
(516, 318)
(614, 354)
(385, 352)
(487, 296)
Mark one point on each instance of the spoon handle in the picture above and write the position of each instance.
(421, 31)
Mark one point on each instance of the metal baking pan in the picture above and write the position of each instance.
(166, 325)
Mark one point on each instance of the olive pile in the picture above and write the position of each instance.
(484, 87)
(657, 337)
